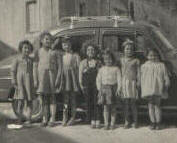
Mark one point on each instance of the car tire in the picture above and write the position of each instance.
(36, 112)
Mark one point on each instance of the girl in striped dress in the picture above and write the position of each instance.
(130, 67)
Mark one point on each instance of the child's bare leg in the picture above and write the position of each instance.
(20, 110)
(134, 112)
(53, 109)
(113, 116)
(65, 115)
(45, 110)
(152, 113)
(157, 112)
(126, 112)
(73, 109)
(29, 110)
(106, 116)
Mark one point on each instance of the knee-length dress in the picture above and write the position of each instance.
(22, 74)
(154, 80)
(130, 68)
(70, 73)
(47, 70)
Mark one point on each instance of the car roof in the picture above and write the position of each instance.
(71, 23)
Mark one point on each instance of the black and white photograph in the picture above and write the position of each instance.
(88, 71)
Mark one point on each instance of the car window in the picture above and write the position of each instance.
(141, 43)
(78, 41)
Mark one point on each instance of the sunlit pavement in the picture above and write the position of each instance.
(81, 133)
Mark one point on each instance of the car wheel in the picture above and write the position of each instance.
(36, 111)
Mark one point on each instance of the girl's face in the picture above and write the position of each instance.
(128, 50)
(90, 51)
(108, 60)
(66, 47)
(46, 41)
(25, 50)
(152, 56)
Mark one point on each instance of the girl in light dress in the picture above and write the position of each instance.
(108, 83)
(154, 86)
(22, 79)
(130, 67)
(47, 74)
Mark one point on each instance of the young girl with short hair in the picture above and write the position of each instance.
(69, 82)
(154, 86)
(87, 78)
(130, 67)
(22, 79)
(108, 83)
(47, 73)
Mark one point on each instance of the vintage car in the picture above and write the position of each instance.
(110, 32)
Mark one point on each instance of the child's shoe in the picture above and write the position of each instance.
(70, 122)
(158, 126)
(112, 127)
(51, 124)
(106, 127)
(93, 124)
(135, 125)
(152, 126)
(98, 126)
(126, 126)
(27, 123)
(43, 124)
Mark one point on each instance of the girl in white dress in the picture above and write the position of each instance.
(154, 85)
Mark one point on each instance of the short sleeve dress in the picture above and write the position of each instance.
(130, 77)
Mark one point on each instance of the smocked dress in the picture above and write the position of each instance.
(130, 77)
(22, 74)
(154, 80)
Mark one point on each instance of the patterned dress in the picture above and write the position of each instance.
(22, 74)
(154, 79)
(130, 77)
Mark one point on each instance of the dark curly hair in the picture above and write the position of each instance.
(86, 45)
(43, 34)
(27, 42)
(107, 52)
